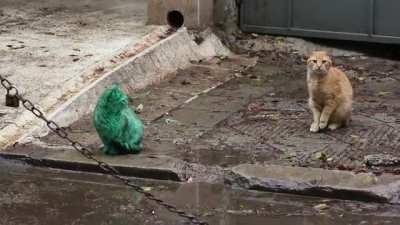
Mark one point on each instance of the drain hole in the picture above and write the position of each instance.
(175, 19)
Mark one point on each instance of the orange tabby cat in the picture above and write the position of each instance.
(330, 92)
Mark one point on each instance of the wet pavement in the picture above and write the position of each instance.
(273, 128)
(217, 115)
(260, 115)
(44, 196)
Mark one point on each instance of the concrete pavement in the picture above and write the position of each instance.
(222, 120)
(44, 196)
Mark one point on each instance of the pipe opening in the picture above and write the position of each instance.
(175, 19)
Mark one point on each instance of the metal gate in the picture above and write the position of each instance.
(360, 20)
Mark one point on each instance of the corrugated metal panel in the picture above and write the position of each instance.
(362, 20)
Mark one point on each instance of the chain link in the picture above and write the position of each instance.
(87, 153)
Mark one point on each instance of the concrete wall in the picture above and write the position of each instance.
(226, 14)
(198, 13)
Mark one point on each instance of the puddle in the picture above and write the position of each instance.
(58, 197)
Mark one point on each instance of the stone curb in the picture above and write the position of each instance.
(157, 167)
(316, 182)
(271, 178)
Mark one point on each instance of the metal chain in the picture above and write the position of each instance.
(87, 153)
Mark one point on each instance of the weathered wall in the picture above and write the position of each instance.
(226, 14)
(197, 13)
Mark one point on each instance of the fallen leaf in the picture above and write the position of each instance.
(321, 156)
(147, 189)
(240, 212)
(172, 121)
(254, 35)
(384, 93)
(237, 75)
(354, 139)
(322, 206)
(279, 39)
(291, 155)
(361, 78)
(222, 57)
(139, 108)
(370, 179)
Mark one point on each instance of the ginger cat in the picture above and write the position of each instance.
(330, 93)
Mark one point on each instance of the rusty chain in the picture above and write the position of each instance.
(87, 153)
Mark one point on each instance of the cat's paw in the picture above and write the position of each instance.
(323, 124)
(314, 127)
(333, 126)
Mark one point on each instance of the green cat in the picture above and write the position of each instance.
(116, 124)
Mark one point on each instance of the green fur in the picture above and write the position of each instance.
(117, 125)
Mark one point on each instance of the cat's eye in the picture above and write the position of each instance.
(324, 61)
(314, 61)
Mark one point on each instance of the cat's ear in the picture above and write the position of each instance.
(307, 57)
(329, 59)
(115, 86)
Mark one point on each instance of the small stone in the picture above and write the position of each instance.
(254, 35)
(381, 160)
(185, 82)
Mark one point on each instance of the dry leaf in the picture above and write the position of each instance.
(384, 93)
(322, 206)
(147, 189)
(139, 108)
(321, 156)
